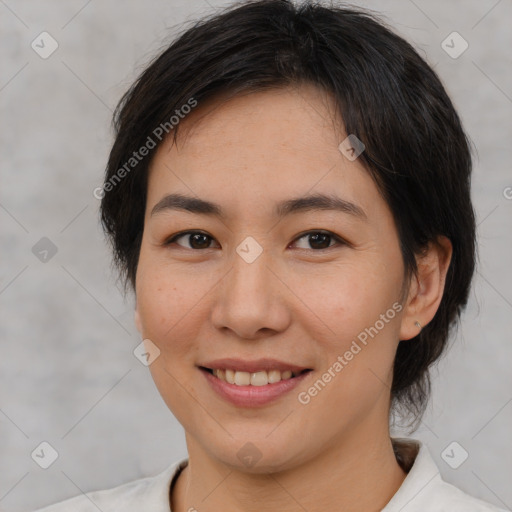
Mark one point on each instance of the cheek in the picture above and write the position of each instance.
(357, 362)
(360, 321)
(169, 320)
(350, 296)
(166, 307)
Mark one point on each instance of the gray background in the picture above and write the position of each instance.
(68, 374)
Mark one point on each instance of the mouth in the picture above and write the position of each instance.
(253, 383)
(261, 377)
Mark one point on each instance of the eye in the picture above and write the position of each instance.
(196, 239)
(320, 239)
(316, 239)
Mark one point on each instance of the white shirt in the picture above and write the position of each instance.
(423, 490)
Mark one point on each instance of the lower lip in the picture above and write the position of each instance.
(252, 396)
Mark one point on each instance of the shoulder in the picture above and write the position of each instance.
(150, 494)
(445, 496)
(424, 490)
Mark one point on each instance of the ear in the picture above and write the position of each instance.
(136, 315)
(426, 291)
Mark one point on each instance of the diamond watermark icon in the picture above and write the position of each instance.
(454, 455)
(249, 455)
(146, 352)
(454, 45)
(44, 45)
(44, 455)
(44, 250)
(249, 249)
(351, 147)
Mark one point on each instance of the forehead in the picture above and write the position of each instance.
(259, 147)
(286, 117)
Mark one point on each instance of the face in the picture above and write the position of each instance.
(311, 286)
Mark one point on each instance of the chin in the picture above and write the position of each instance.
(258, 454)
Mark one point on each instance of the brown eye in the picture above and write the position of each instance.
(319, 240)
(196, 240)
(316, 240)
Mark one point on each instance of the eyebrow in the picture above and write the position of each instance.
(314, 202)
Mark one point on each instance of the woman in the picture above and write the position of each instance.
(288, 195)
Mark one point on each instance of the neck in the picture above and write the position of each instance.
(357, 474)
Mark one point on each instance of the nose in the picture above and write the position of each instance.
(251, 300)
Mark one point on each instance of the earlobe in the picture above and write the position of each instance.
(427, 289)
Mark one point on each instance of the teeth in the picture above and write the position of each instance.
(260, 378)
(274, 376)
(242, 378)
(230, 375)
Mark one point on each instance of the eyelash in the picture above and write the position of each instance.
(339, 240)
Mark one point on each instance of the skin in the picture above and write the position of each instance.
(296, 302)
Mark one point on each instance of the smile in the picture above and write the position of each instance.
(258, 378)
(253, 389)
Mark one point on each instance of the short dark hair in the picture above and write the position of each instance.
(387, 95)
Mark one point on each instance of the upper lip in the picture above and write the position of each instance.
(252, 366)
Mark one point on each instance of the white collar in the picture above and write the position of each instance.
(423, 489)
